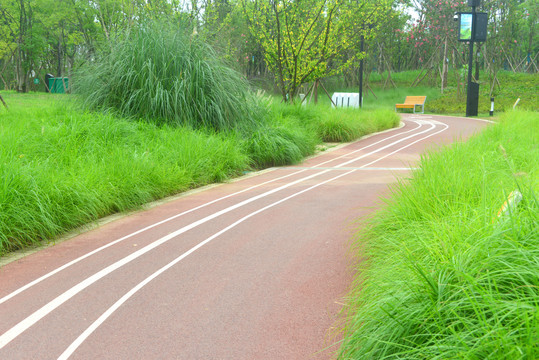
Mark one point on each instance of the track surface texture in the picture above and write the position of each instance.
(252, 269)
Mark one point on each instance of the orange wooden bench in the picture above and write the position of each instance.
(411, 102)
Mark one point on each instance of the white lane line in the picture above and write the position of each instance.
(384, 147)
(410, 144)
(373, 144)
(15, 331)
(465, 118)
(73, 347)
(22, 326)
(73, 262)
(356, 168)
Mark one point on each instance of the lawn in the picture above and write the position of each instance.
(508, 88)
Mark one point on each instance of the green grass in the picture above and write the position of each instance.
(441, 276)
(401, 78)
(62, 168)
(338, 125)
(387, 98)
(335, 124)
(288, 133)
(511, 87)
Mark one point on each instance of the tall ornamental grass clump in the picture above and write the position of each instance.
(158, 73)
(443, 276)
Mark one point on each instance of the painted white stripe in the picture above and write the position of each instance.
(73, 347)
(350, 168)
(373, 144)
(22, 326)
(73, 262)
(410, 144)
(466, 118)
(385, 147)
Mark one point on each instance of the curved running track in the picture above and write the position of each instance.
(253, 269)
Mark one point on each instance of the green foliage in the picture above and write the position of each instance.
(160, 74)
(291, 132)
(508, 87)
(280, 144)
(401, 78)
(343, 125)
(308, 40)
(387, 98)
(444, 276)
(62, 168)
(336, 125)
(334, 128)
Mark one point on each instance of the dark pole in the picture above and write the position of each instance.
(470, 93)
(361, 73)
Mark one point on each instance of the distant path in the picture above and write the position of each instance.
(253, 269)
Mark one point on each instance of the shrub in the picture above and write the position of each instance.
(160, 74)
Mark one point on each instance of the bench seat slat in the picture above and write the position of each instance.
(411, 106)
(410, 102)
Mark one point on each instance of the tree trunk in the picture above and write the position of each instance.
(59, 59)
(18, 64)
(444, 66)
(530, 46)
(59, 69)
(3, 102)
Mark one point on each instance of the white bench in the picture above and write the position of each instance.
(345, 100)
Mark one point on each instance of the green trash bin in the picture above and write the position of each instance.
(58, 85)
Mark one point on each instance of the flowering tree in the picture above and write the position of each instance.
(434, 36)
(512, 40)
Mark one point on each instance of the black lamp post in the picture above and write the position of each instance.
(472, 94)
(362, 48)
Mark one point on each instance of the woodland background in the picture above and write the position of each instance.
(278, 45)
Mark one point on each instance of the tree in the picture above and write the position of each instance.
(38, 37)
(306, 40)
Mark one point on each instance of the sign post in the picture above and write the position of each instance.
(472, 28)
